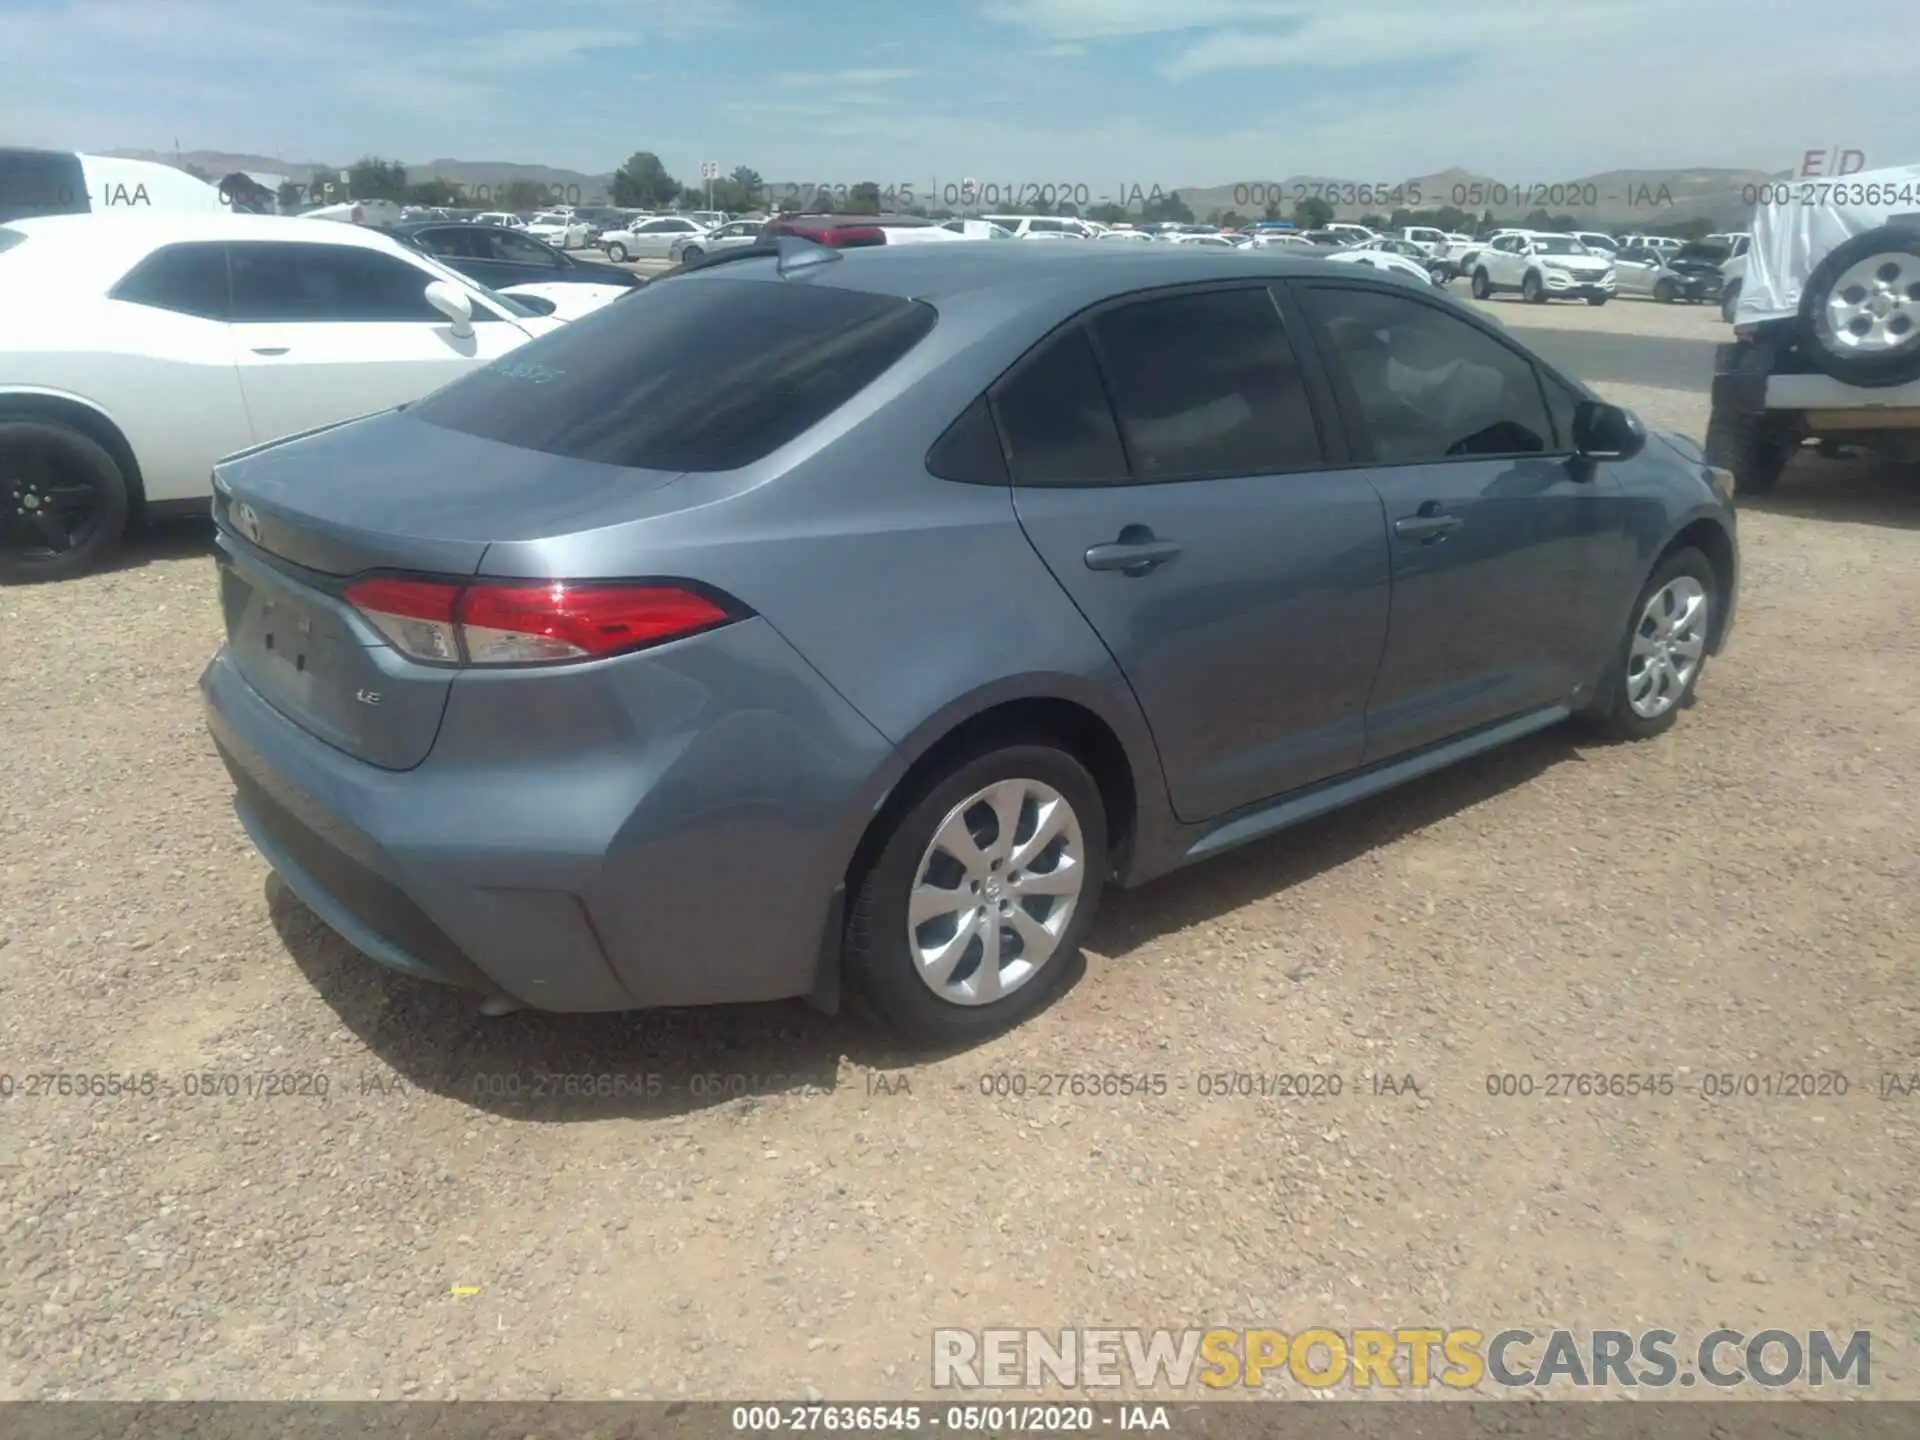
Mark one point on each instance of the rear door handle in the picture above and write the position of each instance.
(1136, 552)
(1426, 527)
(271, 349)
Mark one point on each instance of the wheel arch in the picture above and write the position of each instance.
(1710, 538)
(90, 420)
(1076, 724)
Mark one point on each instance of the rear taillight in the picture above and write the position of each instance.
(845, 237)
(530, 623)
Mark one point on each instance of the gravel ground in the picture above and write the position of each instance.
(1740, 895)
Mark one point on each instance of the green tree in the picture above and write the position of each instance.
(644, 182)
(1312, 213)
(1374, 222)
(1272, 212)
(371, 178)
(434, 192)
(1108, 214)
(864, 198)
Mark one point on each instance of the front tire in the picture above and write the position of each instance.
(1533, 290)
(617, 252)
(690, 254)
(1666, 292)
(63, 502)
(1655, 671)
(1598, 299)
(1482, 286)
(965, 919)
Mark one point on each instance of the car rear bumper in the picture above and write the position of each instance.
(661, 829)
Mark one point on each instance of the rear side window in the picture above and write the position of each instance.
(41, 182)
(1058, 425)
(294, 281)
(186, 279)
(701, 375)
(1207, 385)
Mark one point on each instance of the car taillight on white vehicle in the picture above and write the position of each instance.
(531, 622)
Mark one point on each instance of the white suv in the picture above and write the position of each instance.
(1542, 266)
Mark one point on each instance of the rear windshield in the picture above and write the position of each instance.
(703, 375)
(41, 182)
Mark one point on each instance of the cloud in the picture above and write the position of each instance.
(1104, 19)
(844, 77)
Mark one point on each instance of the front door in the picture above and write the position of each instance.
(1504, 547)
(327, 331)
(1240, 584)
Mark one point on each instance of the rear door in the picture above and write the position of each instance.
(1239, 580)
(325, 332)
(1506, 550)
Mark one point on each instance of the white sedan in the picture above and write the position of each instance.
(650, 239)
(137, 351)
(563, 232)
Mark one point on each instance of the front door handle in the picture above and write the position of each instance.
(1429, 525)
(271, 349)
(1136, 552)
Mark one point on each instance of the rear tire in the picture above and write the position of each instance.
(1635, 674)
(882, 952)
(1482, 286)
(63, 502)
(1756, 448)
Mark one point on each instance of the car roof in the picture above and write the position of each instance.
(1082, 274)
(87, 241)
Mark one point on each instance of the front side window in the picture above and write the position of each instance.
(186, 279)
(706, 374)
(517, 249)
(301, 282)
(1207, 384)
(1429, 386)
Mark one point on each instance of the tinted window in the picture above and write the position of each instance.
(1207, 385)
(1058, 426)
(704, 374)
(298, 281)
(970, 450)
(1428, 385)
(41, 182)
(460, 241)
(517, 249)
(188, 279)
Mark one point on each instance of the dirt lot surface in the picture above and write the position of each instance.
(1740, 897)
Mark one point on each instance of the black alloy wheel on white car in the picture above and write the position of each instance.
(63, 501)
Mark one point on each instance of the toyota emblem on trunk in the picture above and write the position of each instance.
(248, 522)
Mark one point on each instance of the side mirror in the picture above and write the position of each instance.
(451, 301)
(1606, 432)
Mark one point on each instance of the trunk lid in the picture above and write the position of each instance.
(299, 521)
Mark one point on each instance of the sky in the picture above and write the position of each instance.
(1106, 93)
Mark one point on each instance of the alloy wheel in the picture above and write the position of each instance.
(1874, 306)
(995, 890)
(44, 514)
(1668, 645)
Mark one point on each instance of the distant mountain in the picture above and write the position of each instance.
(478, 176)
(1627, 199)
